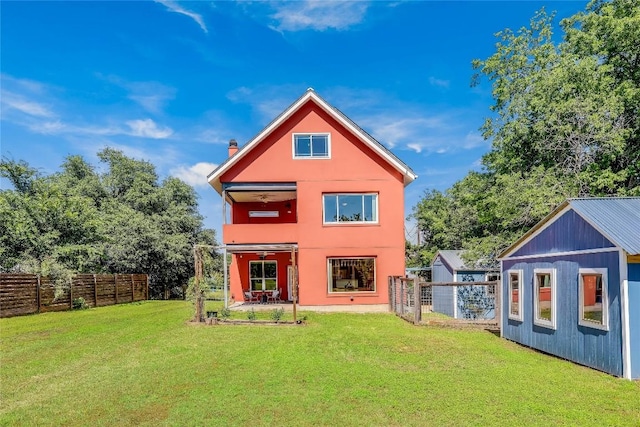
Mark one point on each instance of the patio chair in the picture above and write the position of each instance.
(250, 297)
(275, 296)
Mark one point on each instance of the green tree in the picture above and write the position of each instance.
(565, 122)
(122, 221)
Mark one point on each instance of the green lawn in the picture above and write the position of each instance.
(143, 364)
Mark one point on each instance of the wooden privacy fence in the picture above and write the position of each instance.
(31, 293)
(453, 303)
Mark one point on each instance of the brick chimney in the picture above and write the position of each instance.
(233, 147)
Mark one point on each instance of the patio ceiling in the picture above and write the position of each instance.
(262, 248)
(260, 196)
(260, 192)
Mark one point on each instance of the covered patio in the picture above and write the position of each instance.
(262, 274)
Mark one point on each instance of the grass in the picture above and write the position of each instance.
(143, 364)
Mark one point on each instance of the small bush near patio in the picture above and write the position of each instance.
(145, 364)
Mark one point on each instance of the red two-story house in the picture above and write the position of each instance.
(314, 200)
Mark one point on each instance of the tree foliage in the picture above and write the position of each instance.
(565, 123)
(122, 221)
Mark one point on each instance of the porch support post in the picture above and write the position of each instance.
(294, 288)
(225, 278)
(224, 207)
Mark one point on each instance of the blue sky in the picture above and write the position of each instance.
(171, 82)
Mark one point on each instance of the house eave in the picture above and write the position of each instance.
(408, 175)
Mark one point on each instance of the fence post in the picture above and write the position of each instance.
(133, 296)
(147, 289)
(95, 291)
(417, 301)
(390, 286)
(38, 293)
(115, 284)
(71, 295)
(402, 296)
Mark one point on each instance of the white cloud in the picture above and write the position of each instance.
(415, 147)
(213, 136)
(173, 6)
(12, 101)
(195, 175)
(267, 101)
(48, 127)
(318, 15)
(152, 96)
(58, 127)
(439, 82)
(147, 128)
(473, 140)
(394, 129)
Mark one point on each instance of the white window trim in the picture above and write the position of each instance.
(293, 146)
(605, 298)
(492, 277)
(520, 275)
(262, 261)
(552, 324)
(330, 276)
(343, 223)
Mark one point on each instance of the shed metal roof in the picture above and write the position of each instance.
(617, 218)
(454, 259)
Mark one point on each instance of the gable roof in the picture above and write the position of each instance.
(454, 259)
(616, 218)
(310, 95)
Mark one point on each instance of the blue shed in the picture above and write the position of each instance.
(449, 267)
(571, 285)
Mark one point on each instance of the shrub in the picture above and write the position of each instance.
(277, 314)
(79, 304)
(225, 313)
(251, 315)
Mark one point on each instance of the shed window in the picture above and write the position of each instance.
(515, 294)
(544, 300)
(593, 301)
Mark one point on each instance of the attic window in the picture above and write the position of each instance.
(311, 146)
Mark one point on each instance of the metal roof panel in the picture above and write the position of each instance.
(618, 218)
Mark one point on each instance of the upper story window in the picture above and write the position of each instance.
(311, 146)
(338, 208)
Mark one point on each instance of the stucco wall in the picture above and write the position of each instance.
(353, 167)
